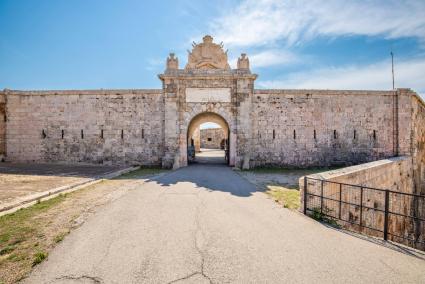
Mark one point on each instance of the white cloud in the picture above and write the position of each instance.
(269, 58)
(408, 74)
(261, 22)
(272, 57)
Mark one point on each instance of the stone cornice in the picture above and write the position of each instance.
(207, 74)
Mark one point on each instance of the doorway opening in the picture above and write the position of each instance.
(208, 140)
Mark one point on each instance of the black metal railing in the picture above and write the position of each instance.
(384, 213)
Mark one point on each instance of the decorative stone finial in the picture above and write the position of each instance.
(207, 55)
(243, 62)
(172, 62)
(207, 39)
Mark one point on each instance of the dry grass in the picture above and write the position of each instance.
(288, 197)
(23, 239)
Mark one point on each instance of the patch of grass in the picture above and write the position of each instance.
(6, 250)
(22, 240)
(39, 257)
(281, 170)
(60, 237)
(17, 226)
(15, 257)
(318, 215)
(288, 197)
(144, 171)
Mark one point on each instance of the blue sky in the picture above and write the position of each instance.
(291, 44)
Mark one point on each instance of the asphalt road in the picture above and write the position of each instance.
(204, 224)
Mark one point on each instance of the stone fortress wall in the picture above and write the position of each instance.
(2, 126)
(418, 146)
(211, 138)
(295, 128)
(291, 128)
(96, 127)
(321, 127)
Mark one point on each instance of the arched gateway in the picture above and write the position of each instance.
(204, 117)
(207, 90)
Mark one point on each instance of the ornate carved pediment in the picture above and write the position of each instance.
(207, 55)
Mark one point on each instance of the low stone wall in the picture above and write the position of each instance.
(418, 144)
(393, 174)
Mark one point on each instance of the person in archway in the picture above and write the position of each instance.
(226, 150)
(191, 151)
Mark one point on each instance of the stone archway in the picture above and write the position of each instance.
(207, 116)
(207, 84)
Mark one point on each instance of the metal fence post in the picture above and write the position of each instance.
(386, 213)
(361, 207)
(340, 201)
(305, 195)
(321, 196)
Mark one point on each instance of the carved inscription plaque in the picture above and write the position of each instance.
(204, 95)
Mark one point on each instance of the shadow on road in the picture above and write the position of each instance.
(210, 177)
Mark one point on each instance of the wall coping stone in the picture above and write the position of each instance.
(320, 92)
(349, 170)
(83, 92)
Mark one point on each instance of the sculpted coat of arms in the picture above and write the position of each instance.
(207, 55)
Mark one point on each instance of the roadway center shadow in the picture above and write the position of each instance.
(210, 177)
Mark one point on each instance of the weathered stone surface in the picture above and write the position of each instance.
(105, 127)
(208, 95)
(321, 128)
(212, 138)
(172, 62)
(207, 55)
(394, 174)
(2, 126)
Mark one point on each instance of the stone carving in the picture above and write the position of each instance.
(172, 62)
(243, 62)
(207, 55)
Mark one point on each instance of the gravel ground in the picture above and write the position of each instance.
(19, 180)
